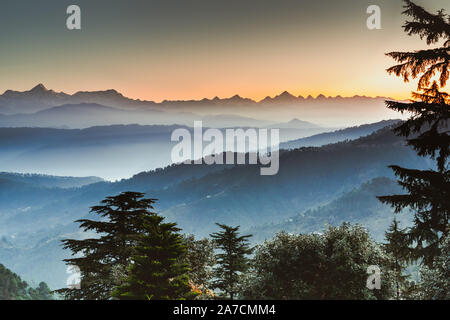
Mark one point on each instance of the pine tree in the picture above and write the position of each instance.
(103, 261)
(398, 246)
(232, 260)
(426, 131)
(155, 271)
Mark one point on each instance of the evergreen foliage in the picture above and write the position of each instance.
(155, 271)
(103, 261)
(398, 246)
(427, 132)
(435, 284)
(232, 260)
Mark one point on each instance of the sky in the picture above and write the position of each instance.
(191, 49)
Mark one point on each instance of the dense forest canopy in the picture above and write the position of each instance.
(12, 287)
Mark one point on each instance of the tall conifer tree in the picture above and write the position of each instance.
(103, 261)
(232, 260)
(428, 191)
(398, 246)
(156, 272)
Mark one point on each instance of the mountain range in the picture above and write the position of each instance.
(17, 107)
(12, 102)
(40, 98)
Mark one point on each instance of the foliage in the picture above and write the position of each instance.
(427, 132)
(12, 287)
(398, 246)
(103, 261)
(424, 63)
(435, 284)
(232, 260)
(332, 265)
(155, 271)
(199, 257)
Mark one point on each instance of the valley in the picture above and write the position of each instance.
(315, 186)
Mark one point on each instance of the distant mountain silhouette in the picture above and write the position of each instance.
(39, 97)
(326, 111)
(295, 124)
(36, 99)
(284, 97)
(79, 116)
(234, 100)
(37, 92)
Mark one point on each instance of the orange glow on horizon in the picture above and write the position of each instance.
(147, 95)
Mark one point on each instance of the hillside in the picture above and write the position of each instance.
(234, 194)
(35, 219)
(49, 181)
(351, 133)
(12, 287)
(102, 151)
(359, 205)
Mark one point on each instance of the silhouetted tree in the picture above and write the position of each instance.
(155, 271)
(232, 260)
(427, 132)
(103, 261)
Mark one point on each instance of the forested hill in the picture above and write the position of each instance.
(49, 181)
(358, 206)
(190, 194)
(338, 135)
(13, 288)
(35, 219)
(307, 177)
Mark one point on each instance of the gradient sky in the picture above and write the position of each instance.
(190, 49)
